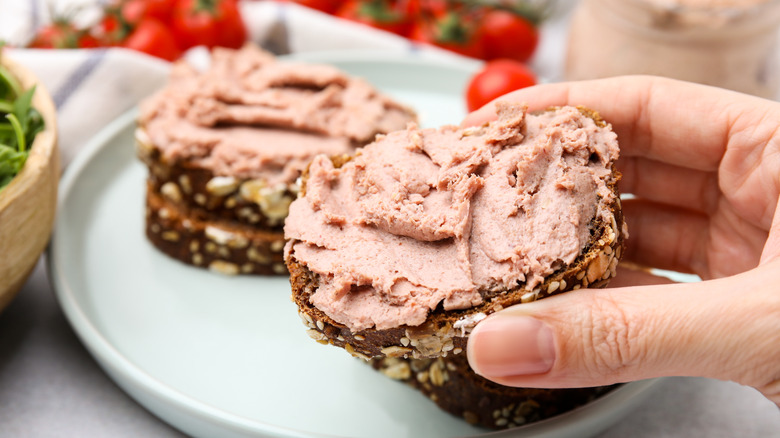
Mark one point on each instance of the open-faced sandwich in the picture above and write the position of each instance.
(225, 146)
(401, 249)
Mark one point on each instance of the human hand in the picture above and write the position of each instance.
(704, 165)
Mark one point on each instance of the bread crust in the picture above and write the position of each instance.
(455, 388)
(222, 246)
(208, 196)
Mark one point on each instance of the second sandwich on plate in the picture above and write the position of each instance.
(226, 145)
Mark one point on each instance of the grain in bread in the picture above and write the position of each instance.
(455, 388)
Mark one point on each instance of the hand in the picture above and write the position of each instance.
(704, 165)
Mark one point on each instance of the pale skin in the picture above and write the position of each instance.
(704, 164)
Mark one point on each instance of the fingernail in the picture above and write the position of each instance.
(511, 345)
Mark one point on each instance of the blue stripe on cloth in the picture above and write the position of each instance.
(77, 77)
(35, 15)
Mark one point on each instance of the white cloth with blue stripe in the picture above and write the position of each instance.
(92, 87)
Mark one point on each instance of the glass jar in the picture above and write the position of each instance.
(727, 43)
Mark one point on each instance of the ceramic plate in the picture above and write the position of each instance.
(219, 356)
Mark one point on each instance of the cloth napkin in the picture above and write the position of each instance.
(91, 87)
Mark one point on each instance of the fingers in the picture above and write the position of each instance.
(668, 184)
(599, 337)
(636, 277)
(666, 237)
(675, 122)
(772, 248)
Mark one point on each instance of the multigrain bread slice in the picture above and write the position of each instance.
(220, 245)
(455, 388)
(444, 332)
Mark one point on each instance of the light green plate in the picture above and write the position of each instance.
(228, 356)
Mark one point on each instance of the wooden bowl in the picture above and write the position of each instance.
(28, 203)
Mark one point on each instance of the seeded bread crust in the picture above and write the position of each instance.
(222, 246)
(445, 332)
(455, 388)
(244, 201)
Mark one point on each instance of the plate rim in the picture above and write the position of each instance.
(122, 370)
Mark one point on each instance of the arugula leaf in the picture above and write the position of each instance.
(19, 124)
(11, 162)
(9, 86)
(21, 141)
(22, 106)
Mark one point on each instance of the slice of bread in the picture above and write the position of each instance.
(455, 388)
(445, 332)
(222, 246)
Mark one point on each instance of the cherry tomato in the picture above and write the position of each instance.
(434, 8)
(497, 78)
(386, 15)
(208, 22)
(327, 6)
(507, 35)
(450, 32)
(87, 41)
(58, 35)
(109, 31)
(152, 37)
(133, 11)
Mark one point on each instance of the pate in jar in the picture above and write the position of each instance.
(726, 43)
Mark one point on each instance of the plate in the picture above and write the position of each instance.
(219, 356)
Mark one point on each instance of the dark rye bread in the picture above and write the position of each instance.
(229, 198)
(455, 388)
(222, 246)
(446, 331)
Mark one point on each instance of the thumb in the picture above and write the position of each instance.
(727, 329)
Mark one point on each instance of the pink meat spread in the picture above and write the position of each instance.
(211, 118)
(428, 216)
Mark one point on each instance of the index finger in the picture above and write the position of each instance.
(676, 122)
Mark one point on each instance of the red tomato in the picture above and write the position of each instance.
(508, 35)
(496, 79)
(58, 35)
(134, 10)
(87, 41)
(327, 6)
(152, 37)
(450, 32)
(380, 14)
(434, 8)
(109, 31)
(208, 22)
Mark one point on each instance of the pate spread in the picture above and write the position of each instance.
(428, 216)
(211, 118)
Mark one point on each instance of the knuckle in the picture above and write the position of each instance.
(613, 342)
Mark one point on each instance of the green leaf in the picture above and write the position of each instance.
(21, 140)
(11, 162)
(6, 106)
(9, 84)
(22, 107)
